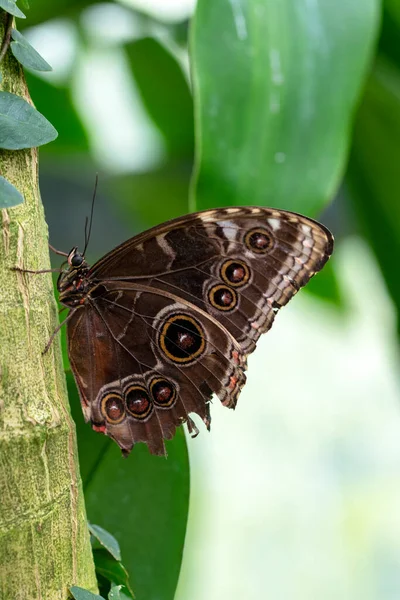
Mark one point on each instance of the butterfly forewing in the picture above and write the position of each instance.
(169, 316)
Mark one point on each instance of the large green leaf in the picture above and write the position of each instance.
(275, 87)
(373, 173)
(154, 196)
(165, 93)
(43, 10)
(390, 31)
(326, 286)
(142, 500)
(392, 7)
(112, 570)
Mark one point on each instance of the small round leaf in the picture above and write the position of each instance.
(26, 54)
(107, 540)
(81, 594)
(9, 195)
(10, 7)
(115, 593)
(21, 125)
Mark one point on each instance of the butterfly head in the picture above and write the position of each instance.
(72, 282)
(75, 258)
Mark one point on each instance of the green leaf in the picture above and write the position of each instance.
(12, 8)
(106, 539)
(9, 195)
(80, 594)
(170, 182)
(326, 286)
(390, 30)
(373, 174)
(115, 593)
(275, 86)
(393, 9)
(143, 500)
(165, 93)
(43, 10)
(121, 592)
(26, 54)
(57, 104)
(113, 570)
(21, 125)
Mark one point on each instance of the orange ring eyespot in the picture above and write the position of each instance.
(259, 240)
(113, 408)
(182, 339)
(163, 392)
(235, 273)
(223, 297)
(138, 403)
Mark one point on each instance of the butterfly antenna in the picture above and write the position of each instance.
(86, 231)
(90, 221)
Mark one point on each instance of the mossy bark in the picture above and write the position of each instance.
(44, 540)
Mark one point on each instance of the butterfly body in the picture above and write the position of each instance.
(167, 319)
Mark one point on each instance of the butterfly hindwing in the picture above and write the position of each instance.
(152, 361)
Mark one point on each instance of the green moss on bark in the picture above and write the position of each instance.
(44, 540)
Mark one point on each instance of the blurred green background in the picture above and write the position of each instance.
(290, 104)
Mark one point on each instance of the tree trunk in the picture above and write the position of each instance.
(44, 540)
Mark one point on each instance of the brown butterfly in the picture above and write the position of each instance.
(167, 319)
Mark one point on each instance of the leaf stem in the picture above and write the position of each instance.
(7, 36)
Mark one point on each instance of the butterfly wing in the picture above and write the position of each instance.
(238, 264)
(173, 313)
(144, 360)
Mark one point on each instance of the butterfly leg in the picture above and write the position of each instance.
(59, 252)
(20, 270)
(57, 329)
(207, 418)
(192, 427)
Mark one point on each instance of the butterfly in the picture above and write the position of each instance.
(167, 319)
